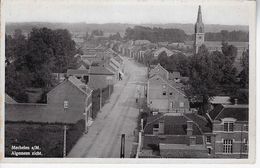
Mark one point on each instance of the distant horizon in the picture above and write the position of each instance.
(10, 22)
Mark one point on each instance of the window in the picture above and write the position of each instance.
(229, 126)
(208, 139)
(228, 146)
(245, 145)
(164, 93)
(246, 127)
(156, 126)
(181, 104)
(65, 104)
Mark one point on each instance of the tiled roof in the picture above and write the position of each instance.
(173, 125)
(9, 100)
(80, 85)
(150, 140)
(97, 82)
(111, 68)
(220, 100)
(100, 70)
(239, 112)
(202, 122)
(162, 49)
(77, 71)
(177, 86)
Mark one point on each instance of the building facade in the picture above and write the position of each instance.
(165, 96)
(230, 131)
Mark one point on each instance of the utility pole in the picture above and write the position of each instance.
(100, 104)
(122, 149)
(65, 107)
(64, 140)
(108, 88)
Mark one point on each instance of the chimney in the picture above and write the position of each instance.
(161, 127)
(235, 101)
(189, 127)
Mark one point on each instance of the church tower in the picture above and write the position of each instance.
(199, 32)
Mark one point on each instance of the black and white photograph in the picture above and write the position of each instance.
(134, 80)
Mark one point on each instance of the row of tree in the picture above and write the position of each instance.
(225, 35)
(155, 34)
(31, 61)
(178, 35)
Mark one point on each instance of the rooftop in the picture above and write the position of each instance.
(100, 70)
(239, 112)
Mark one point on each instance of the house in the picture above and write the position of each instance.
(100, 77)
(172, 135)
(162, 49)
(166, 96)
(230, 130)
(81, 74)
(83, 64)
(159, 70)
(67, 103)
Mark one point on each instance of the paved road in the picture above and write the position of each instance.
(117, 117)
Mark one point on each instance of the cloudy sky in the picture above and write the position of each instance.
(115, 11)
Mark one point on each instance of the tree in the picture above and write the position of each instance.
(97, 33)
(64, 49)
(201, 84)
(163, 59)
(116, 36)
(244, 74)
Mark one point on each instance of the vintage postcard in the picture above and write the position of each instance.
(128, 81)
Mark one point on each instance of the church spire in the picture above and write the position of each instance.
(199, 26)
(199, 17)
(199, 31)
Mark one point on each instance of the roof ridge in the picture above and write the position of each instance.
(163, 115)
(194, 123)
(219, 112)
(171, 85)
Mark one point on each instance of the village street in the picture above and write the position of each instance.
(118, 116)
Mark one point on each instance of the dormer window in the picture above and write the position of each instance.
(228, 126)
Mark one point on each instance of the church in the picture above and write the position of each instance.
(199, 32)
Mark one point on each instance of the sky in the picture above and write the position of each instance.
(134, 12)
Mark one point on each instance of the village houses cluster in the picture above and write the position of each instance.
(173, 129)
(71, 100)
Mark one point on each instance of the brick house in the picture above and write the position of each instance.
(175, 136)
(230, 131)
(166, 96)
